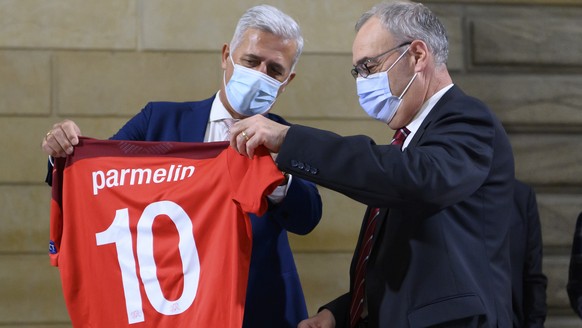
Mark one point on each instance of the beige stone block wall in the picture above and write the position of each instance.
(71, 24)
(121, 83)
(25, 82)
(194, 25)
(100, 62)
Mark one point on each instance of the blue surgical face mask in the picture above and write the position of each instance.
(376, 98)
(251, 92)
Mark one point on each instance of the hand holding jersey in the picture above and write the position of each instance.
(61, 139)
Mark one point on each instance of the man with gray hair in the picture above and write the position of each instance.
(433, 249)
(258, 65)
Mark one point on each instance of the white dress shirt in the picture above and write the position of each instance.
(216, 130)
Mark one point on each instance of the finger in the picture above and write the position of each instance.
(233, 141)
(245, 135)
(240, 126)
(51, 147)
(49, 150)
(44, 142)
(235, 131)
(55, 150)
(241, 144)
(71, 131)
(252, 144)
(59, 141)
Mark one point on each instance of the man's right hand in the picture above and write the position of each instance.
(323, 319)
(257, 131)
(60, 140)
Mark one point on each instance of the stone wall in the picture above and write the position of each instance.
(99, 62)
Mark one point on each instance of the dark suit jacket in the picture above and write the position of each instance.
(528, 281)
(441, 249)
(274, 294)
(575, 273)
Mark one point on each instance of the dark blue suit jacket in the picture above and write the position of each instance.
(574, 286)
(441, 246)
(528, 281)
(274, 294)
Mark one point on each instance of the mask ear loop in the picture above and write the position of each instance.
(408, 86)
(224, 73)
(224, 79)
(411, 80)
(397, 59)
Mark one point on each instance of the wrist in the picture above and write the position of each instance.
(286, 178)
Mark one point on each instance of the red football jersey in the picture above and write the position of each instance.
(154, 234)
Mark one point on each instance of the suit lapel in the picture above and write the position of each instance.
(199, 116)
(434, 113)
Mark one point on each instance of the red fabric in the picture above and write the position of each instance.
(181, 237)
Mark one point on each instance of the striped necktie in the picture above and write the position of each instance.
(358, 289)
(399, 136)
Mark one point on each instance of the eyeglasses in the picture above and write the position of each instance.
(363, 70)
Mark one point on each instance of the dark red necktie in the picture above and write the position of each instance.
(357, 301)
(399, 136)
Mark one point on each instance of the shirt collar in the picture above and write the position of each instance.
(426, 108)
(423, 113)
(218, 112)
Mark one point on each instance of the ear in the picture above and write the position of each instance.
(420, 55)
(291, 77)
(225, 54)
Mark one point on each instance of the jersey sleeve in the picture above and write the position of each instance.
(253, 179)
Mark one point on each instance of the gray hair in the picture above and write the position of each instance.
(269, 19)
(408, 21)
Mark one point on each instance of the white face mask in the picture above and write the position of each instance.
(376, 98)
(251, 92)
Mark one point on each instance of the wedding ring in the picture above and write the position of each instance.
(48, 134)
(244, 134)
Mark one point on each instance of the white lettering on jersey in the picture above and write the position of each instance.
(139, 176)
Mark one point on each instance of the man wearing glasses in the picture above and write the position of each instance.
(433, 249)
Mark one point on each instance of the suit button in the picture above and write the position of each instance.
(307, 167)
(313, 171)
(294, 163)
(300, 165)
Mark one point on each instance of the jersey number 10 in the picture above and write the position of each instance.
(119, 234)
